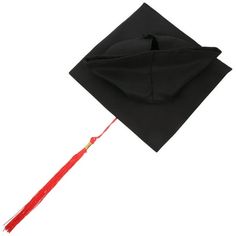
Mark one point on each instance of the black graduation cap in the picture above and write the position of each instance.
(150, 75)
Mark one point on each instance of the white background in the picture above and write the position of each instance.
(121, 186)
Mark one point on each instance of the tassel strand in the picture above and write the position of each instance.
(41, 194)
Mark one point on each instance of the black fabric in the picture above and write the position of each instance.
(150, 75)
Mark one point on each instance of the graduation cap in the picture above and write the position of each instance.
(150, 75)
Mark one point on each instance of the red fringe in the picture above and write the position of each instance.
(43, 192)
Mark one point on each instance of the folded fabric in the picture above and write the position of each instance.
(150, 75)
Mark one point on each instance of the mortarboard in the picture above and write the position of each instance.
(150, 75)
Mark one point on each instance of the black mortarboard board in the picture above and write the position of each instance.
(150, 75)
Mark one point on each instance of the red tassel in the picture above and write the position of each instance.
(11, 224)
